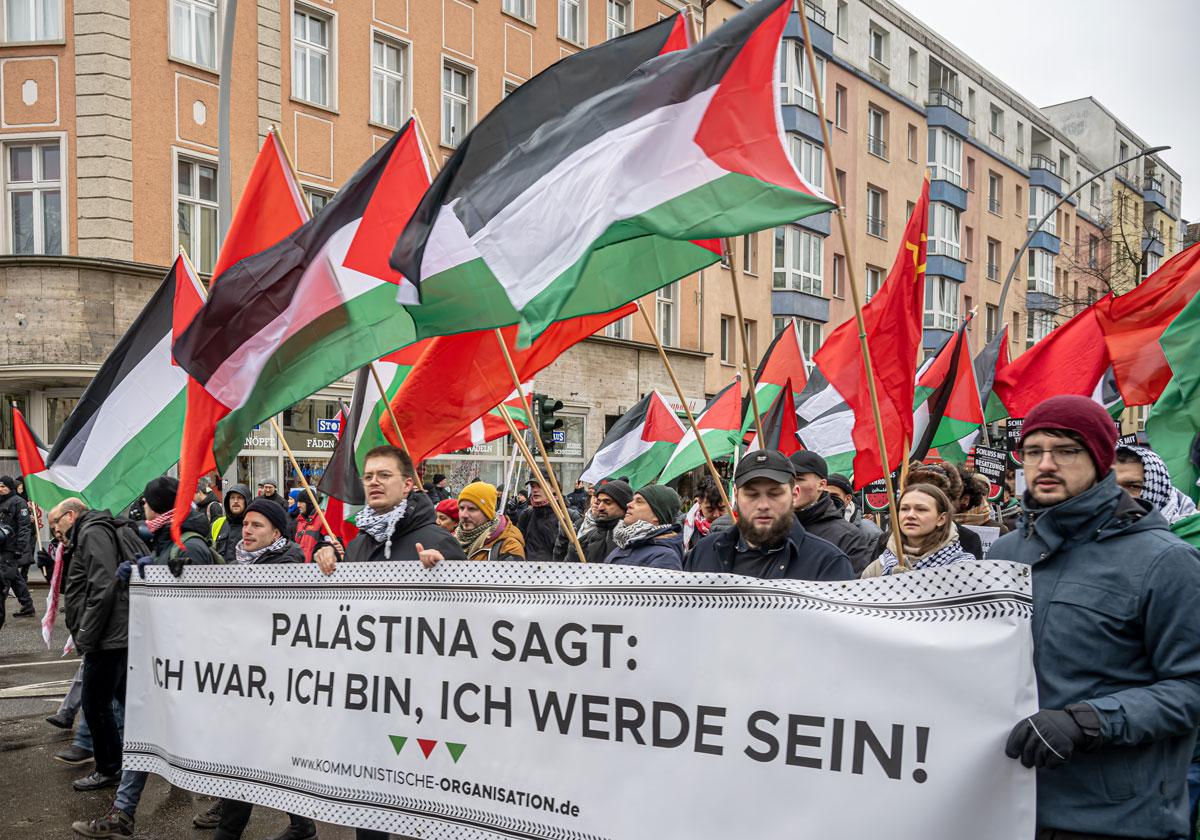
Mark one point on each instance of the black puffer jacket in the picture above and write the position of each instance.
(231, 528)
(823, 518)
(17, 530)
(419, 525)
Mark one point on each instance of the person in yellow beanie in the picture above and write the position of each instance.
(482, 533)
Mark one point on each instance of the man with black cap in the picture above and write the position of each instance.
(438, 491)
(539, 524)
(820, 514)
(16, 535)
(1116, 637)
(842, 491)
(768, 542)
(605, 513)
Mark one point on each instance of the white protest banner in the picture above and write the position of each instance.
(523, 700)
(988, 534)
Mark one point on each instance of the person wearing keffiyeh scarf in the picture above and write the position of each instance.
(1143, 475)
(930, 537)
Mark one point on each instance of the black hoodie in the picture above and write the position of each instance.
(231, 528)
(419, 525)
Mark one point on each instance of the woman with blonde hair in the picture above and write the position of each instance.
(930, 537)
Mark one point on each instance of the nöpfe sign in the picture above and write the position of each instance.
(502, 700)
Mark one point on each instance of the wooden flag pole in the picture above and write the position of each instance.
(851, 273)
(312, 496)
(662, 354)
(391, 412)
(741, 322)
(568, 526)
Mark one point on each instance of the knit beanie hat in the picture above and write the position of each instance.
(272, 511)
(448, 507)
(1081, 416)
(7, 481)
(663, 501)
(160, 493)
(617, 490)
(482, 495)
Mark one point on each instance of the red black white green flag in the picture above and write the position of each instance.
(718, 423)
(947, 399)
(783, 361)
(780, 424)
(638, 445)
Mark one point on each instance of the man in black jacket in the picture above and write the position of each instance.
(539, 524)
(820, 514)
(768, 541)
(235, 501)
(16, 537)
(595, 529)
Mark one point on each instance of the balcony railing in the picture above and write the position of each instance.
(993, 271)
(814, 12)
(877, 146)
(1043, 162)
(1153, 184)
(943, 97)
(876, 227)
(994, 205)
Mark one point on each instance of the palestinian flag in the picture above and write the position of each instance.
(125, 429)
(638, 445)
(718, 424)
(1072, 359)
(338, 513)
(491, 425)
(564, 212)
(946, 406)
(31, 455)
(991, 360)
(1174, 423)
(826, 424)
(783, 361)
(780, 424)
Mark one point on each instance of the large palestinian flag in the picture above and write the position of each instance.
(639, 445)
(783, 361)
(125, 429)
(564, 212)
(718, 424)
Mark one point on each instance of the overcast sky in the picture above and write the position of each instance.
(1139, 59)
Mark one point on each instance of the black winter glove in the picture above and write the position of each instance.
(1050, 737)
(176, 563)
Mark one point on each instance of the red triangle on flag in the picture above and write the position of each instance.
(661, 423)
(426, 746)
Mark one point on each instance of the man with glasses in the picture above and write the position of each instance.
(1116, 637)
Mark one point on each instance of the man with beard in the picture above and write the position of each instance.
(482, 533)
(230, 531)
(768, 542)
(1116, 637)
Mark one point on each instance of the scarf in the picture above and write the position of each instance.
(981, 514)
(245, 557)
(381, 526)
(587, 525)
(52, 597)
(473, 539)
(943, 554)
(152, 525)
(1158, 489)
(624, 534)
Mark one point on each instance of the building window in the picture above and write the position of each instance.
(750, 254)
(1020, 142)
(945, 156)
(522, 9)
(1093, 252)
(878, 45)
(667, 316)
(809, 159)
(996, 123)
(1020, 202)
(32, 20)
(991, 322)
(310, 56)
(1040, 202)
(728, 331)
(877, 132)
(795, 82)
(970, 174)
(810, 339)
(839, 274)
(621, 328)
(617, 18)
(839, 107)
(387, 82)
(799, 260)
(993, 260)
(876, 212)
(941, 303)
(840, 176)
(995, 190)
(196, 211)
(1041, 271)
(571, 15)
(943, 230)
(34, 198)
(456, 104)
(317, 199)
(912, 142)
(843, 20)
(874, 281)
(968, 246)
(193, 31)
(751, 337)
(909, 207)
(1040, 325)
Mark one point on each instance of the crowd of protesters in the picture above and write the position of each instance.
(1116, 635)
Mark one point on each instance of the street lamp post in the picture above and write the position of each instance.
(224, 168)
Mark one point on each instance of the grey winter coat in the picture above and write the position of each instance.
(1115, 625)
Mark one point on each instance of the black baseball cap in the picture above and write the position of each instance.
(763, 463)
(809, 462)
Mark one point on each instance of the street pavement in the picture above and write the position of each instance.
(39, 802)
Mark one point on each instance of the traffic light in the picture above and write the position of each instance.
(547, 423)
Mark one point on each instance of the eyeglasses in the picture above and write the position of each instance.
(1063, 456)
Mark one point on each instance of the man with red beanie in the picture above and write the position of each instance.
(1116, 637)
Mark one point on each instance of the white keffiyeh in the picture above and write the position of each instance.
(381, 526)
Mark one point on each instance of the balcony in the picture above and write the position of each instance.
(947, 192)
(876, 227)
(814, 13)
(791, 303)
(877, 146)
(1153, 244)
(944, 110)
(1043, 162)
(1153, 192)
(1041, 301)
(822, 38)
(942, 98)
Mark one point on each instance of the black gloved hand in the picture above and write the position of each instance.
(1050, 737)
(177, 562)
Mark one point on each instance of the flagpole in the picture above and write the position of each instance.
(737, 303)
(391, 412)
(568, 526)
(662, 354)
(840, 213)
(508, 477)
